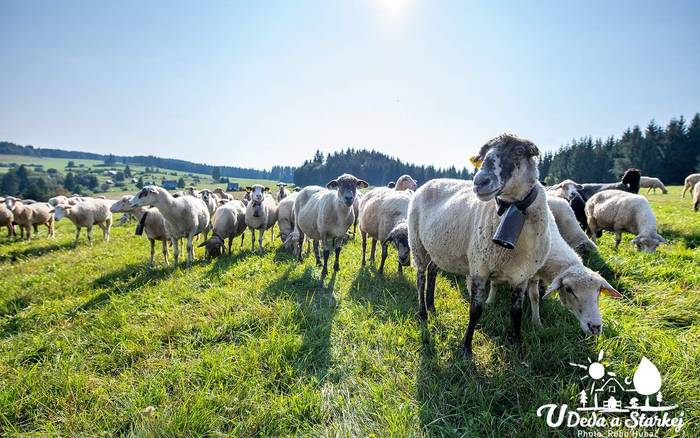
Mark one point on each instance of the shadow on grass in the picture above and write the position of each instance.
(594, 261)
(691, 240)
(35, 251)
(391, 295)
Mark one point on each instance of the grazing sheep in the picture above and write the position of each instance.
(325, 215)
(213, 246)
(629, 183)
(650, 183)
(282, 193)
(696, 196)
(579, 287)
(383, 215)
(568, 226)
(261, 215)
(618, 211)
(228, 222)
(186, 216)
(689, 183)
(405, 182)
(6, 219)
(28, 216)
(150, 220)
(452, 224)
(87, 214)
(222, 194)
(285, 219)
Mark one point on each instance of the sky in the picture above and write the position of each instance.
(263, 83)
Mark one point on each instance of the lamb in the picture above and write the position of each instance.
(452, 224)
(405, 182)
(28, 216)
(696, 196)
(282, 193)
(652, 184)
(87, 214)
(6, 220)
(383, 215)
(150, 220)
(579, 287)
(689, 183)
(261, 215)
(185, 217)
(222, 194)
(325, 215)
(285, 219)
(618, 211)
(228, 222)
(568, 226)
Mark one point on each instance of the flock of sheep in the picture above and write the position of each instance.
(504, 227)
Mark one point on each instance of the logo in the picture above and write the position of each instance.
(610, 401)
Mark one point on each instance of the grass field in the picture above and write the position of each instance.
(94, 343)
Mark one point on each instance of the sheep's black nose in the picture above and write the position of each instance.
(594, 328)
(482, 180)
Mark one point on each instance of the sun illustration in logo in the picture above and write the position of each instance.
(596, 370)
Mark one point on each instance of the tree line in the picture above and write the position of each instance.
(374, 167)
(669, 153)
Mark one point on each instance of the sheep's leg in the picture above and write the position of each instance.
(326, 253)
(649, 190)
(400, 269)
(516, 313)
(420, 285)
(29, 232)
(476, 308)
(592, 231)
(300, 247)
(165, 252)
(77, 236)
(190, 250)
(176, 250)
(493, 289)
(252, 239)
(533, 292)
(230, 242)
(36, 228)
(272, 234)
(338, 246)
(618, 238)
(153, 251)
(108, 228)
(371, 252)
(685, 188)
(242, 239)
(385, 252)
(261, 233)
(430, 289)
(317, 252)
(364, 247)
(89, 235)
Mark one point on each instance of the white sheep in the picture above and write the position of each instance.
(285, 219)
(564, 189)
(212, 202)
(282, 193)
(6, 219)
(618, 211)
(185, 217)
(222, 194)
(383, 215)
(568, 226)
(405, 182)
(452, 225)
(689, 183)
(325, 215)
(696, 196)
(27, 216)
(579, 287)
(261, 215)
(150, 220)
(356, 212)
(228, 223)
(87, 214)
(648, 182)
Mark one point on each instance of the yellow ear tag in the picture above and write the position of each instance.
(476, 162)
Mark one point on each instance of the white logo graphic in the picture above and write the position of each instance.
(640, 399)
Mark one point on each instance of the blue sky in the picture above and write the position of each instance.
(268, 82)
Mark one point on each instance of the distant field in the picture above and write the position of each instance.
(92, 342)
(137, 170)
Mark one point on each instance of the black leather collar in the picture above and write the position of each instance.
(522, 205)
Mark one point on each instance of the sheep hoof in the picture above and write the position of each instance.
(431, 309)
(422, 315)
(465, 352)
(324, 272)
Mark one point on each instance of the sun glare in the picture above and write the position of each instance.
(391, 8)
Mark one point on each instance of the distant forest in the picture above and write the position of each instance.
(374, 167)
(279, 173)
(670, 153)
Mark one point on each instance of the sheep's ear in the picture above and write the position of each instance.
(661, 239)
(267, 189)
(637, 240)
(362, 184)
(333, 184)
(52, 210)
(248, 189)
(203, 243)
(579, 186)
(556, 284)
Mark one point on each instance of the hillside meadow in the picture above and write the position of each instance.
(94, 343)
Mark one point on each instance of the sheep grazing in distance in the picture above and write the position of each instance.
(579, 287)
(222, 194)
(282, 193)
(261, 215)
(228, 223)
(618, 211)
(568, 225)
(28, 216)
(6, 219)
(150, 220)
(405, 182)
(383, 217)
(452, 224)
(689, 183)
(647, 182)
(185, 217)
(325, 215)
(629, 183)
(87, 214)
(285, 219)
(696, 196)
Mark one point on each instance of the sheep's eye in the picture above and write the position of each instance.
(568, 290)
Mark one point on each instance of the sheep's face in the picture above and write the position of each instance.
(507, 167)
(213, 246)
(146, 196)
(123, 205)
(257, 193)
(346, 186)
(568, 188)
(405, 182)
(399, 238)
(10, 203)
(61, 211)
(205, 195)
(648, 243)
(191, 191)
(579, 291)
